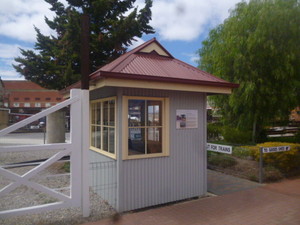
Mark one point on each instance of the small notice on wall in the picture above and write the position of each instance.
(186, 119)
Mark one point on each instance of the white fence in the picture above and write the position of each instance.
(77, 149)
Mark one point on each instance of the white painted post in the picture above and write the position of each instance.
(85, 112)
(75, 138)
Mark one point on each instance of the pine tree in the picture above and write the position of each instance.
(114, 24)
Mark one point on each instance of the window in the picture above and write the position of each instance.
(37, 99)
(103, 126)
(47, 99)
(16, 99)
(26, 104)
(16, 104)
(58, 99)
(37, 104)
(47, 104)
(146, 127)
(26, 99)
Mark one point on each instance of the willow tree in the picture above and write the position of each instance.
(114, 24)
(257, 47)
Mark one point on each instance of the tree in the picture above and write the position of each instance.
(257, 47)
(114, 24)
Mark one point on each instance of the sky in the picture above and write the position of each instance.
(180, 25)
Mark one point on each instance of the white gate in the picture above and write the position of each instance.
(77, 148)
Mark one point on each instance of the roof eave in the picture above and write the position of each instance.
(125, 76)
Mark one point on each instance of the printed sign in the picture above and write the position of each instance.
(219, 148)
(186, 118)
(276, 149)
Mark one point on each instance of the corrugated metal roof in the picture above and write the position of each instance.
(21, 85)
(156, 66)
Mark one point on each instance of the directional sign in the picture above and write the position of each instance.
(276, 149)
(219, 148)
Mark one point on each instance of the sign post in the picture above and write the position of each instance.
(263, 150)
(261, 165)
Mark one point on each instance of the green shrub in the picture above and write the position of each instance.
(214, 131)
(284, 161)
(240, 152)
(236, 136)
(220, 160)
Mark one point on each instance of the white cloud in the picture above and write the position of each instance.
(187, 19)
(10, 75)
(136, 43)
(18, 17)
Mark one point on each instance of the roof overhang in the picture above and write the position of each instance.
(154, 84)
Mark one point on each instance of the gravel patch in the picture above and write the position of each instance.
(65, 216)
(54, 177)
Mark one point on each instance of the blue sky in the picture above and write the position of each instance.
(181, 26)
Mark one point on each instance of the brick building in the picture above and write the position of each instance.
(26, 97)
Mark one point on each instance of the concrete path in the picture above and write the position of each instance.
(220, 183)
(271, 204)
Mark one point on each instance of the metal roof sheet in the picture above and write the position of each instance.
(137, 64)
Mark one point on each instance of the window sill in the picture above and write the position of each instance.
(156, 155)
(110, 155)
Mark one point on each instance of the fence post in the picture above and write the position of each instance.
(85, 119)
(261, 165)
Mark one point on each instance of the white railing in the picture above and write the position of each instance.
(77, 148)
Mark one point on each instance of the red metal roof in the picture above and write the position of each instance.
(138, 64)
(21, 85)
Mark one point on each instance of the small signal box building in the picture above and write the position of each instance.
(148, 116)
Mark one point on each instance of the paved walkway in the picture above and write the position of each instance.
(271, 204)
(220, 183)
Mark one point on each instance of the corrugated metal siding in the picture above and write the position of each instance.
(148, 182)
(103, 177)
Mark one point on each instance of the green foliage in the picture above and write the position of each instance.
(66, 167)
(257, 47)
(220, 160)
(243, 153)
(55, 63)
(236, 136)
(214, 131)
(284, 161)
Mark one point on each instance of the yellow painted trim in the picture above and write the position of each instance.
(114, 156)
(165, 129)
(155, 47)
(106, 153)
(114, 82)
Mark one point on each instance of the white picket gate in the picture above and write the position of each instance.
(77, 148)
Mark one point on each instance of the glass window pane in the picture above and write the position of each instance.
(105, 113)
(93, 116)
(111, 146)
(98, 137)
(112, 113)
(93, 137)
(136, 141)
(98, 113)
(154, 140)
(136, 113)
(105, 139)
(154, 113)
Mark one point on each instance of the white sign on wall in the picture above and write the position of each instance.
(186, 118)
(219, 148)
(276, 149)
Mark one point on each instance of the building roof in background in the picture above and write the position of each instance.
(22, 85)
(151, 61)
